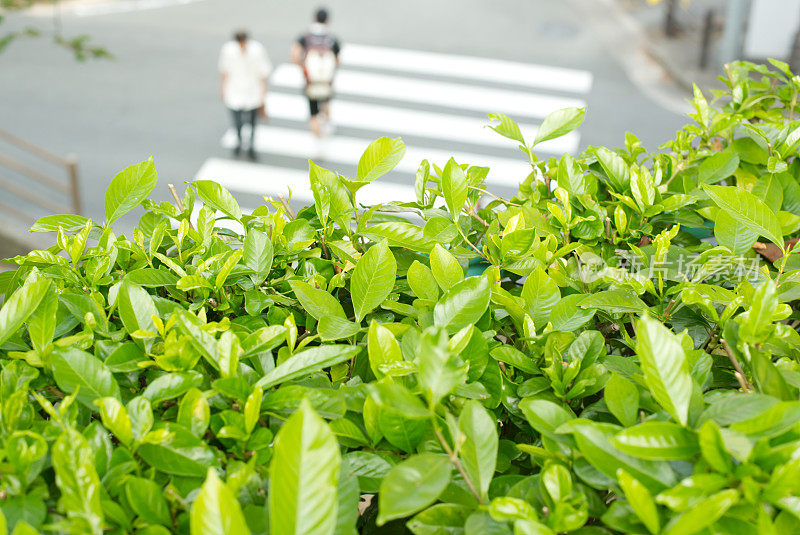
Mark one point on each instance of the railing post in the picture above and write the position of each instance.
(75, 190)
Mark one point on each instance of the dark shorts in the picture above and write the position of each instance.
(315, 104)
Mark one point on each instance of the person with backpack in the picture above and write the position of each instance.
(317, 52)
(244, 68)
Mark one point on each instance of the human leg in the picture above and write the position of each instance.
(237, 125)
(313, 122)
(250, 117)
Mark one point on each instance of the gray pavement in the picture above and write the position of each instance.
(160, 94)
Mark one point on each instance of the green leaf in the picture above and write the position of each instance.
(400, 234)
(595, 442)
(440, 519)
(712, 446)
(381, 156)
(172, 385)
(136, 308)
(541, 293)
(427, 474)
(719, 166)
(567, 315)
(463, 304)
(217, 198)
(747, 209)
(559, 123)
(422, 282)
(42, 323)
(507, 127)
(182, 454)
(257, 253)
(440, 370)
(307, 361)
(445, 268)
(454, 188)
(304, 474)
(658, 441)
(78, 482)
(67, 222)
(772, 422)
(146, 498)
(665, 368)
(703, 513)
(732, 234)
(216, 510)
(513, 356)
(383, 348)
(152, 277)
(19, 307)
(622, 399)
(373, 278)
(318, 303)
(478, 452)
(545, 416)
(640, 500)
(115, 419)
(614, 301)
(73, 369)
(336, 328)
(615, 168)
(129, 188)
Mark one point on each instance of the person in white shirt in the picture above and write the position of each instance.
(244, 68)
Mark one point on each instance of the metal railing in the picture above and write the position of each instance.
(26, 155)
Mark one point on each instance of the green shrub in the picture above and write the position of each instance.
(579, 358)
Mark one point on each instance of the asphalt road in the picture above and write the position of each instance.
(159, 95)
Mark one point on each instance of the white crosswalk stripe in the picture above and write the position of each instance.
(421, 96)
(388, 120)
(465, 67)
(432, 92)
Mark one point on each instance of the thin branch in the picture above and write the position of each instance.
(457, 463)
(178, 202)
(739, 373)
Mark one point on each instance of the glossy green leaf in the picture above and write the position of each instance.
(381, 156)
(445, 268)
(463, 304)
(372, 279)
(454, 188)
(622, 399)
(19, 307)
(217, 198)
(640, 500)
(74, 369)
(304, 474)
(659, 441)
(428, 474)
(318, 303)
(307, 361)
(666, 371)
(559, 123)
(129, 188)
(748, 210)
(216, 510)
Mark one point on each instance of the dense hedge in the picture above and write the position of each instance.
(612, 350)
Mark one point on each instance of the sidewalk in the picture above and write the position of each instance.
(680, 55)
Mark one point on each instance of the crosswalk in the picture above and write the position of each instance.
(438, 103)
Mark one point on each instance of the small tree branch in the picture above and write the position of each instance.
(739, 373)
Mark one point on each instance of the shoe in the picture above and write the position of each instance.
(237, 150)
(328, 129)
(251, 154)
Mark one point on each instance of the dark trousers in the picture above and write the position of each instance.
(240, 117)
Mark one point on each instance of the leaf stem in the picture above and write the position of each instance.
(739, 373)
(456, 462)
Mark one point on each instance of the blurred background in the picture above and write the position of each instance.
(88, 87)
